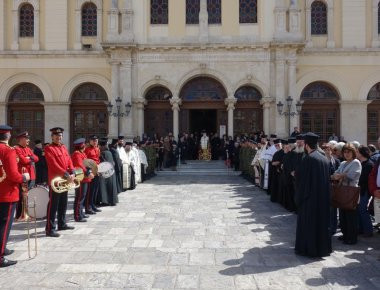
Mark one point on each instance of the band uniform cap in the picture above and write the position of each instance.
(311, 138)
(24, 134)
(120, 138)
(300, 137)
(93, 137)
(291, 140)
(57, 130)
(5, 129)
(79, 141)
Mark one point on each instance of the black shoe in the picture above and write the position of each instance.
(8, 252)
(53, 234)
(86, 216)
(81, 220)
(6, 263)
(340, 238)
(90, 212)
(66, 227)
(97, 210)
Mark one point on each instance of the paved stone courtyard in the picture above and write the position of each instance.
(193, 232)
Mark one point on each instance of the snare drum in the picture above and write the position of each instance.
(39, 195)
(105, 169)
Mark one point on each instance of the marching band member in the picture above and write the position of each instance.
(27, 160)
(59, 165)
(80, 193)
(10, 179)
(93, 153)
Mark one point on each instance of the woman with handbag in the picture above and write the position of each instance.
(365, 223)
(348, 174)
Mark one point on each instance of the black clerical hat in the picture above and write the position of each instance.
(120, 138)
(264, 136)
(284, 142)
(38, 141)
(300, 137)
(277, 141)
(114, 141)
(311, 138)
(291, 140)
(273, 136)
(103, 142)
(128, 143)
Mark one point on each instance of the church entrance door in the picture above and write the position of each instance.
(203, 120)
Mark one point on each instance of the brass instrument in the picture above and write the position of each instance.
(24, 212)
(60, 184)
(91, 164)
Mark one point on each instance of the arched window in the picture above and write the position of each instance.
(214, 9)
(248, 93)
(248, 114)
(192, 11)
(248, 11)
(89, 19)
(373, 114)
(158, 114)
(158, 93)
(25, 111)
(203, 89)
(320, 110)
(318, 18)
(159, 12)
(89, 111)
(26, 20)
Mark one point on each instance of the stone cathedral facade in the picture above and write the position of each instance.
(188, 65)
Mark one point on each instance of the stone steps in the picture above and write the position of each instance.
(199, 168)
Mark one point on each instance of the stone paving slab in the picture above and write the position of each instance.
(187, 232)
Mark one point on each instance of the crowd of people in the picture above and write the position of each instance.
(97, 169)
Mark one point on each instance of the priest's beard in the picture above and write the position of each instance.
(300, 149)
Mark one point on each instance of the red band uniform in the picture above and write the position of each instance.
(80, 193)
(59, 165)
(93, 153)
(27, 160)
(9, 193)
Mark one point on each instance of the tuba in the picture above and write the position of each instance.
(60, 184)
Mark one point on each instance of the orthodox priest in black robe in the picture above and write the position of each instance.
(287, 179)
(107, 186)
(312, 198)
(275, 172)
(118, 165)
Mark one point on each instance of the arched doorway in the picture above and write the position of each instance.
(373, 115)
(158, 116)
(89, 111)
(248, 114)
(203, 106)
(320, 110)
(26, 112)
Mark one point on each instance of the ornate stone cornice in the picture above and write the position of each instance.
(176, 103)
(230, 103)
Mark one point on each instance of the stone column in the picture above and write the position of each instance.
(330, 25)
(292, 65)
(56, 114)
(36, 38)
(176, 103)
(309, 42)
(115, 91)
(353, 115)
(3, 113)
(375, 19)
(126, 92)
(2, 25)
(99, 28)
(203, 22)
(230, 103)
(139, 104)
(78, 29)
(127, 34)
(113, 22)
(15, 41)
(280, 72)
(266, 103)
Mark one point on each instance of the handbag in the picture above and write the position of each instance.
(344, 197)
